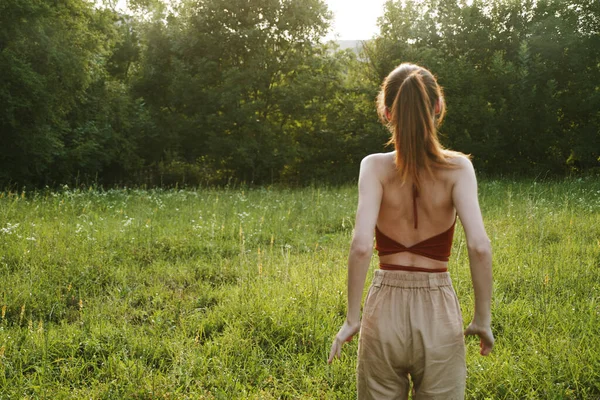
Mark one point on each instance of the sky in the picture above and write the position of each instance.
(352, 19)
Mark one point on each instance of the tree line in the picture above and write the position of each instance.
(210, 91)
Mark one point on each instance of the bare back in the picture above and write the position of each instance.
(434, 207)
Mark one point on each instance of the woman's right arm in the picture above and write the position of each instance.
(464, 196)
(370, 191)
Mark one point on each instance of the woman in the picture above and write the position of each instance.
(411, 324)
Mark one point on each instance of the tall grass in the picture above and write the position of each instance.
(236, 293)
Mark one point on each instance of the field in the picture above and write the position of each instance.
(237, 293)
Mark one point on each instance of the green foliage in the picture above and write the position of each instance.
(63, 115)
(519, 77)
(214, 92)
(245, 87)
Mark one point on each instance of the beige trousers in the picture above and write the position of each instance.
(411, 326)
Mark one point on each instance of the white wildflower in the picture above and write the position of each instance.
(10, 228)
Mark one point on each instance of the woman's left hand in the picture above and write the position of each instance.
(345, 334)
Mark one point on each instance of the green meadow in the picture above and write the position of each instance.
(236, 293)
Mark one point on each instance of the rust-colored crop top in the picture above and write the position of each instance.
(437, 247)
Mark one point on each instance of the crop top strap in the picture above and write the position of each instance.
(415, 195)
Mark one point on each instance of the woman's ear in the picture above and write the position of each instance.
(438, 105)
(388, 114)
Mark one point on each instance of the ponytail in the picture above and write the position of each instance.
(409, 96)
(412, 118)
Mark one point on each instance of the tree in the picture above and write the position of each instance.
(62, 115)
(517, 75)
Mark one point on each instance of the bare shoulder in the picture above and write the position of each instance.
(461, 165)
(377, 158)
(377, 163)
(458, 159)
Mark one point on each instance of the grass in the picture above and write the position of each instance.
(236, 293)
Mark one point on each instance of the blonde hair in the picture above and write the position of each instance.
(410, 94)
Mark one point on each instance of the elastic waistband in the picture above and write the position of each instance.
(395, 267)
(409, 279)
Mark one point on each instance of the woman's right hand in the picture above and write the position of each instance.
(345, 334)
(486, 337)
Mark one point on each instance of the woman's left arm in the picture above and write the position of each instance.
(370, 191)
